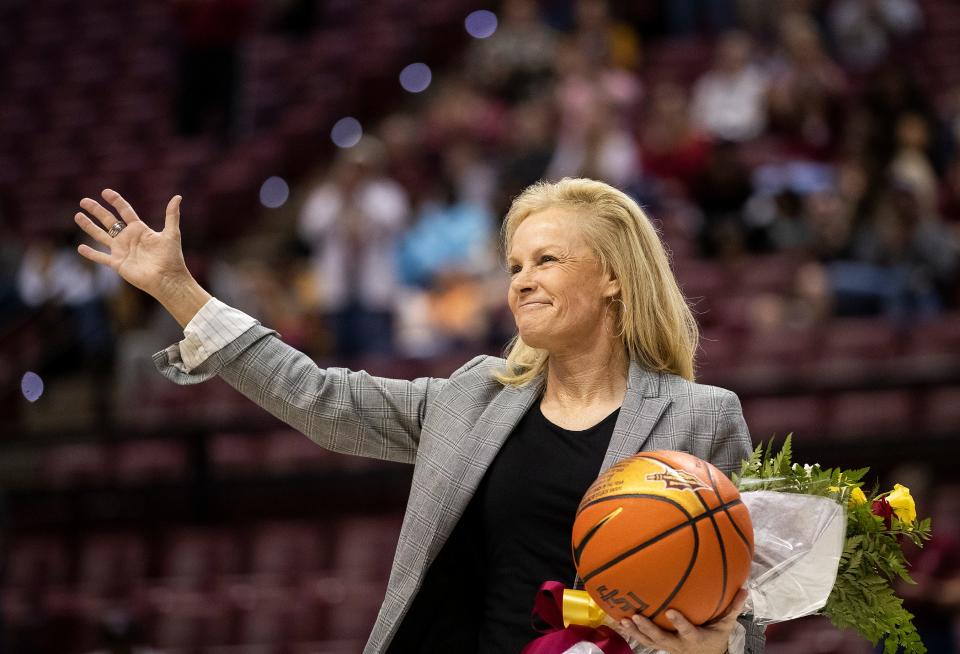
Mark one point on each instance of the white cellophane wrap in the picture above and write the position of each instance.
(798, 540)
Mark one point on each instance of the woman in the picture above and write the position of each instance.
(601, 368)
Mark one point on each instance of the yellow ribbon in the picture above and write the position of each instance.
(579, 608)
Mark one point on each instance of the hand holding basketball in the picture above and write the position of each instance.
(710, 638)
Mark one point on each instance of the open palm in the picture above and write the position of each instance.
(150, 260)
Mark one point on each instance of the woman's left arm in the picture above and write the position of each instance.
(731, 444)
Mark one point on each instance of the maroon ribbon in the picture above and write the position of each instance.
(548, 608)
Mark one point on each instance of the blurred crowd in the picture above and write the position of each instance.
(802, 133)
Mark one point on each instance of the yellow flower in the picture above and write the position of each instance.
(902, 503)
(857, 497)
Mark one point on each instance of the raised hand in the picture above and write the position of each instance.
(150, 260)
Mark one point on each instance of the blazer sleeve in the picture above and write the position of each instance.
(731, 445)
(342, 410)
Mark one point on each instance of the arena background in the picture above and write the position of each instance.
(800, 159)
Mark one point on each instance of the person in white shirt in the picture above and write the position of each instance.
(729, 100)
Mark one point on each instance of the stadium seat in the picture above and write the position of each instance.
(940, 412)
(143, 461)
(869, 414)
(778, 416)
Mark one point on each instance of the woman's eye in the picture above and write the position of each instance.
(547, 257)
(513, 270)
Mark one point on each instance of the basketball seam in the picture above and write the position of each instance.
(683, 579)
(723, 549)
(690, 520)
(578, 549)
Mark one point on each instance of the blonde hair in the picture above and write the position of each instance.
(655, 324)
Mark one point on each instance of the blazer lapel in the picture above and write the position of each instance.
(480, 447)
(639, 414)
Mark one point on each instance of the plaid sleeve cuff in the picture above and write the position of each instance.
(214, 326)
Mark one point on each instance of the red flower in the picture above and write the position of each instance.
(883, 509)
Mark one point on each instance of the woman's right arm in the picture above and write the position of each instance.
(345, 411)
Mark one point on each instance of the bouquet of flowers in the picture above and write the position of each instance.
(822, 546)
(798, 570)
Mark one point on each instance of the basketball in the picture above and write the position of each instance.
(663, 530)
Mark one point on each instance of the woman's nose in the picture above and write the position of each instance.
(523, 281)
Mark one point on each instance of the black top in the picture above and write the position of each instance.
(513, 536)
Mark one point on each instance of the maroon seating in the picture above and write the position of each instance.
(150, 460)
(287, 551)
(111, 563)
(778, 416)
(868, 414)
(940, 412)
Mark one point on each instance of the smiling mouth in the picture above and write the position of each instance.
(534, 304)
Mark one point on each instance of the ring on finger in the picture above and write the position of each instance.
(117, 228)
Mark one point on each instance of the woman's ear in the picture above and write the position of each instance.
(611, 287)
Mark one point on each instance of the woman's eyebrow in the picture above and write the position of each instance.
(539, 250)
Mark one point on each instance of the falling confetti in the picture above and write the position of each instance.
(32, 386)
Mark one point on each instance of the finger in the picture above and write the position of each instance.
(736, 606)
(685, 628)
(94, 255)
(727, 620)
(654, 633)
(121, 205)
(91, 229)
(630, 632)
(98, 211)
(172, 219)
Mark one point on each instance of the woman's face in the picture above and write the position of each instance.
(558, 292)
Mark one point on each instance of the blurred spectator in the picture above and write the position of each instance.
(72, 298)
(601, 150)
(604, 41)
(831, 225)
(448, 234)
(517, 59)
(911, 166)
(673, 149)
(211, 32)
(351, 223)
(459, 110)
(471, 175)
(52, 274)
(721, 191)
(528, 150)
(909, 260)
(803, 307)
(806, 88)
(406, 161)
(893, 91)
(862, 30)
(687, 16)
(729, 100)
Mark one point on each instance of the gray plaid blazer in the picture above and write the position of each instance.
(451, 429)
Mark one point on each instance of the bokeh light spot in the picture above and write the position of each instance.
(346, 132)
(274, 192)
(481, 23)
(416, 77)
(32, 386)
